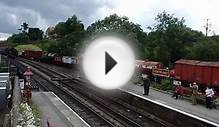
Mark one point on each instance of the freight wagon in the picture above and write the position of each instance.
(144, 66)
(51, 58)
(34, 55)
(202, 72)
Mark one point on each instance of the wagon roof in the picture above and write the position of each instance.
(199, 63)
(184, 61)
(152, 63)
(208, 63)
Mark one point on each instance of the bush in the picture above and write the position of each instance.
(19, 38)
(166, 85)
(137, 79)
(28, 117)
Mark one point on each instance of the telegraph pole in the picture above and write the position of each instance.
(207, 27)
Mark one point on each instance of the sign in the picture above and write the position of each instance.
(3, 84)
(175, 82)
(161, 72)
(21, 83)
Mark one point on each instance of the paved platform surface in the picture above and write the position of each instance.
(183, 105)
(52, 109)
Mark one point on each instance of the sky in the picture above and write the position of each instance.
(45, 13)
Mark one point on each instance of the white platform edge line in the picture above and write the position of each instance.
(71, 110)
(177, 110)
(2, 88)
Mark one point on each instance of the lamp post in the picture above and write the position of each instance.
(27, 92)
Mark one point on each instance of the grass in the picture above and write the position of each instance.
(21, 48)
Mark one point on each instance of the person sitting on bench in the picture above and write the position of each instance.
(178, 91)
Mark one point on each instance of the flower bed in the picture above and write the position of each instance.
(28, 117)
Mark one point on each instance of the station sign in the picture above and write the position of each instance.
(3, 84)
(176, 82)
(21, 83)
(161, 72)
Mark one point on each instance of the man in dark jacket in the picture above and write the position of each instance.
(146, 83)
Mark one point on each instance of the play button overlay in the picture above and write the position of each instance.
(108, 62)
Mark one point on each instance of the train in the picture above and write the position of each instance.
(51, 58)
(205, 73)
(146, 66)
(33, 55)
(186, 71)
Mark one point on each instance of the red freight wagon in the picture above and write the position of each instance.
(32, 54)
(57, 60)
(185, 69)
(215, 73)
(202, 72)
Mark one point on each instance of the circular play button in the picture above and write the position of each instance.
(108, 62)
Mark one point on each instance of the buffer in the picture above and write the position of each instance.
(109, 63)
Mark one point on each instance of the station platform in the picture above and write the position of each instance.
(55, 112)
(184, 106)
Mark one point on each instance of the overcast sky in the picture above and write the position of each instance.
(44, 13)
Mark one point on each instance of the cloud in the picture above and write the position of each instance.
(44, 13)
(11, 18)
(4, 36)
(144, 12)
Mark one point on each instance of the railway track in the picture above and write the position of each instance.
(113, 110)
(91, 117)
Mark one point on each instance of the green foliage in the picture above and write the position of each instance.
(114, 24)
(35, 34)
(207, 49)
(45, 44)
(21, 48)
(19, 38)
(169, 39)
(165, 85)
(24, 27)
(71, 26)
(28, 116)
(70, 36)
(24, 37)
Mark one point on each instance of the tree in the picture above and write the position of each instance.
(35, 34)
(71, 25)
(19, 38)
(24, 27)
(206, 49)
(169, 38)
(115, 25)
(70, 34)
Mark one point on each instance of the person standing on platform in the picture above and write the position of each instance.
(209, 93)
(194, 87)
(146, 83)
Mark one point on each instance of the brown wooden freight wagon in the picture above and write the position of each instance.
(29, 54)
(202, 72)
